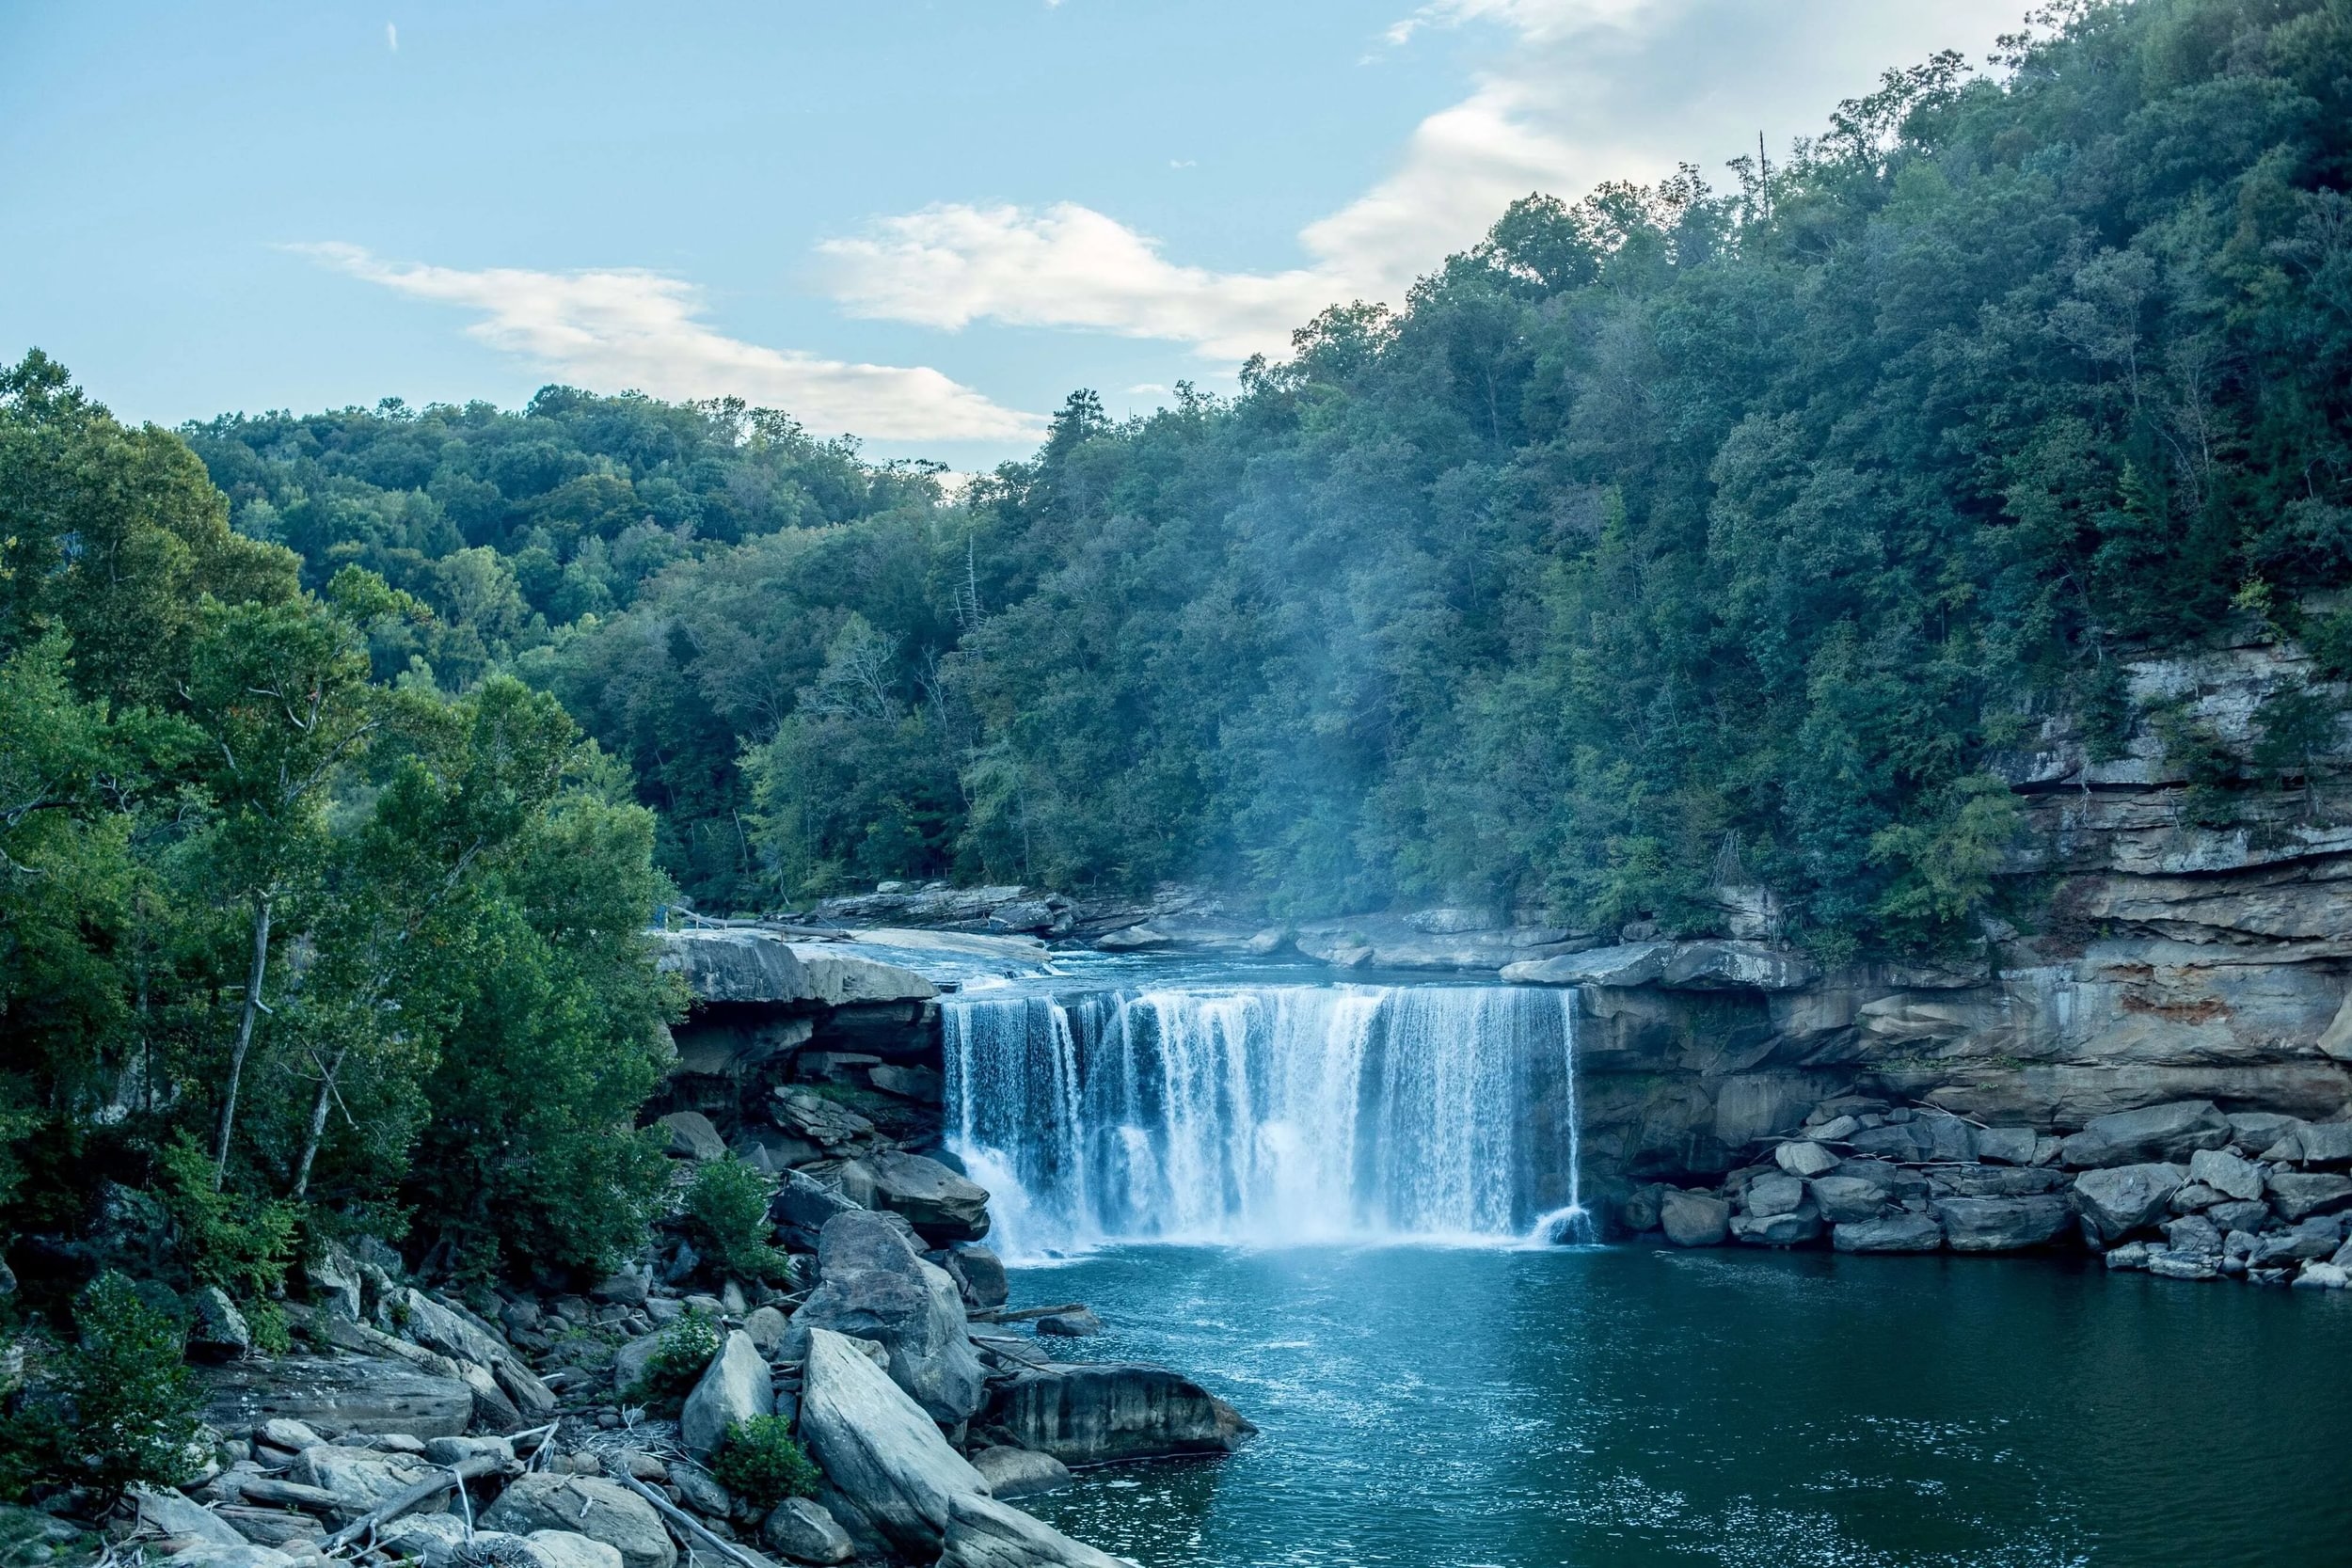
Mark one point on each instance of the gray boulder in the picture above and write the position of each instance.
(1080, 1325)
(2167, 1264)
(736, 1387)
(2118, 1201)
(219, 1331)
(344, 1394)
(882, 1455)
(2003, 1223)
(2239, 1216)
(2297, 1195)
(942, 1207)
(2325, 1143)
(2225, 1173)
(1848, 1199)
(984, 1533)
(1898, 1232)
(1104, 1412)
(1017, 1472)
(167, 1512)
(692, 1136)
(2154, 1132)
(981, 1273)
(875, 1287)
(803, 1204)
(2005, 1146)
(359, 1479)
(1693, 1219)
(1787, 1229)
(767, 1326)
(2193, 1235)
(1993, 1180)
(2312, 1237)
(1804, 1157)
(563, 1548)
(591, 1506)
(1774, 1194)
(801, 1531)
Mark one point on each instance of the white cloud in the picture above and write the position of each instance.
(1582, 92)
(950, 266)
(391, 38)
(623, 328)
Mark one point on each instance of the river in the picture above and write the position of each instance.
(1435, 1407)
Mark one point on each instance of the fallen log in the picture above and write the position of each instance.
(383, 1513)
(691, 1531)
(1026, 1314)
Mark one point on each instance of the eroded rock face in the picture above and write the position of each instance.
(2172, 1132)
(346, 1394)
(876, 1287)
(1099, 1413)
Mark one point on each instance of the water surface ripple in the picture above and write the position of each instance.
(1470, 1408)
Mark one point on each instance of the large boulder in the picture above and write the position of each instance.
(802, 1530)
(1902, 1231)
(346, 1394)
(217, 1330)
(359, 1479)
(889, 1473)
(1802, 1157)
(692, 1136)
(591, 1506)
(1104, 1412)
(2298, 1195)
(2120, 1199)
(1792, 1228)
(2154, 1132)
(2225, 1173)
(803, 1205)
(1693, 1219)
(876, 1287)
(736, 1387)
(1846, 1199)
(1774, 1194)
(563, 1548)
(942, 1207)
(981, 1273)
(169, 1513)
(2003, 1223)
(1017, 1472)
(984, 1533)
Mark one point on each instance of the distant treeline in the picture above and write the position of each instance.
(1668, 538)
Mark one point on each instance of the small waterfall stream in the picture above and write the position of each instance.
(1269, 1115)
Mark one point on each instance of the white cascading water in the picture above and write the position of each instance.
(1269, 1115)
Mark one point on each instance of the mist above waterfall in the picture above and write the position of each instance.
(1267, 1115)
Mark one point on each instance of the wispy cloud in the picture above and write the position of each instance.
(620, 329)
(391, 38)
(1582, 92)
(1067, 265)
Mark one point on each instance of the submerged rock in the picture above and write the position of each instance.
(1097, 1413)
(1017, 1472)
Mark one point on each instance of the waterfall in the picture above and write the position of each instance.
(1269, 1115)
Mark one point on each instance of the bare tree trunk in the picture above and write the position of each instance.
(244, 1038)
(318, 1124)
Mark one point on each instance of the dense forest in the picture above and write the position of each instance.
(1668, 538)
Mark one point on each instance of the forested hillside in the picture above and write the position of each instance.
(1671, 536)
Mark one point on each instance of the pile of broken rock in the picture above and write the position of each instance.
(2183, 1190)
(415, 1427)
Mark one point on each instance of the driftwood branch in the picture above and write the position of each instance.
(383, 1513)
(691, 1530)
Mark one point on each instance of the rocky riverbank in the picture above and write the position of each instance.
(2182, 1190)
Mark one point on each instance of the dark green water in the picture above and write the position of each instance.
(1623, 1406)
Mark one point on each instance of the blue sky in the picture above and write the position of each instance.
(919, 222)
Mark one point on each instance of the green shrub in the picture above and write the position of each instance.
(761, 1463)
(677, 1364)
(115, 1408)
(727, 1208)
(240, 1244)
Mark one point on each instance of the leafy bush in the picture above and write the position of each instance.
(678, 1363)
(727, 1207)
(240, 1244)
(761, 1463)
(114, 1409)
